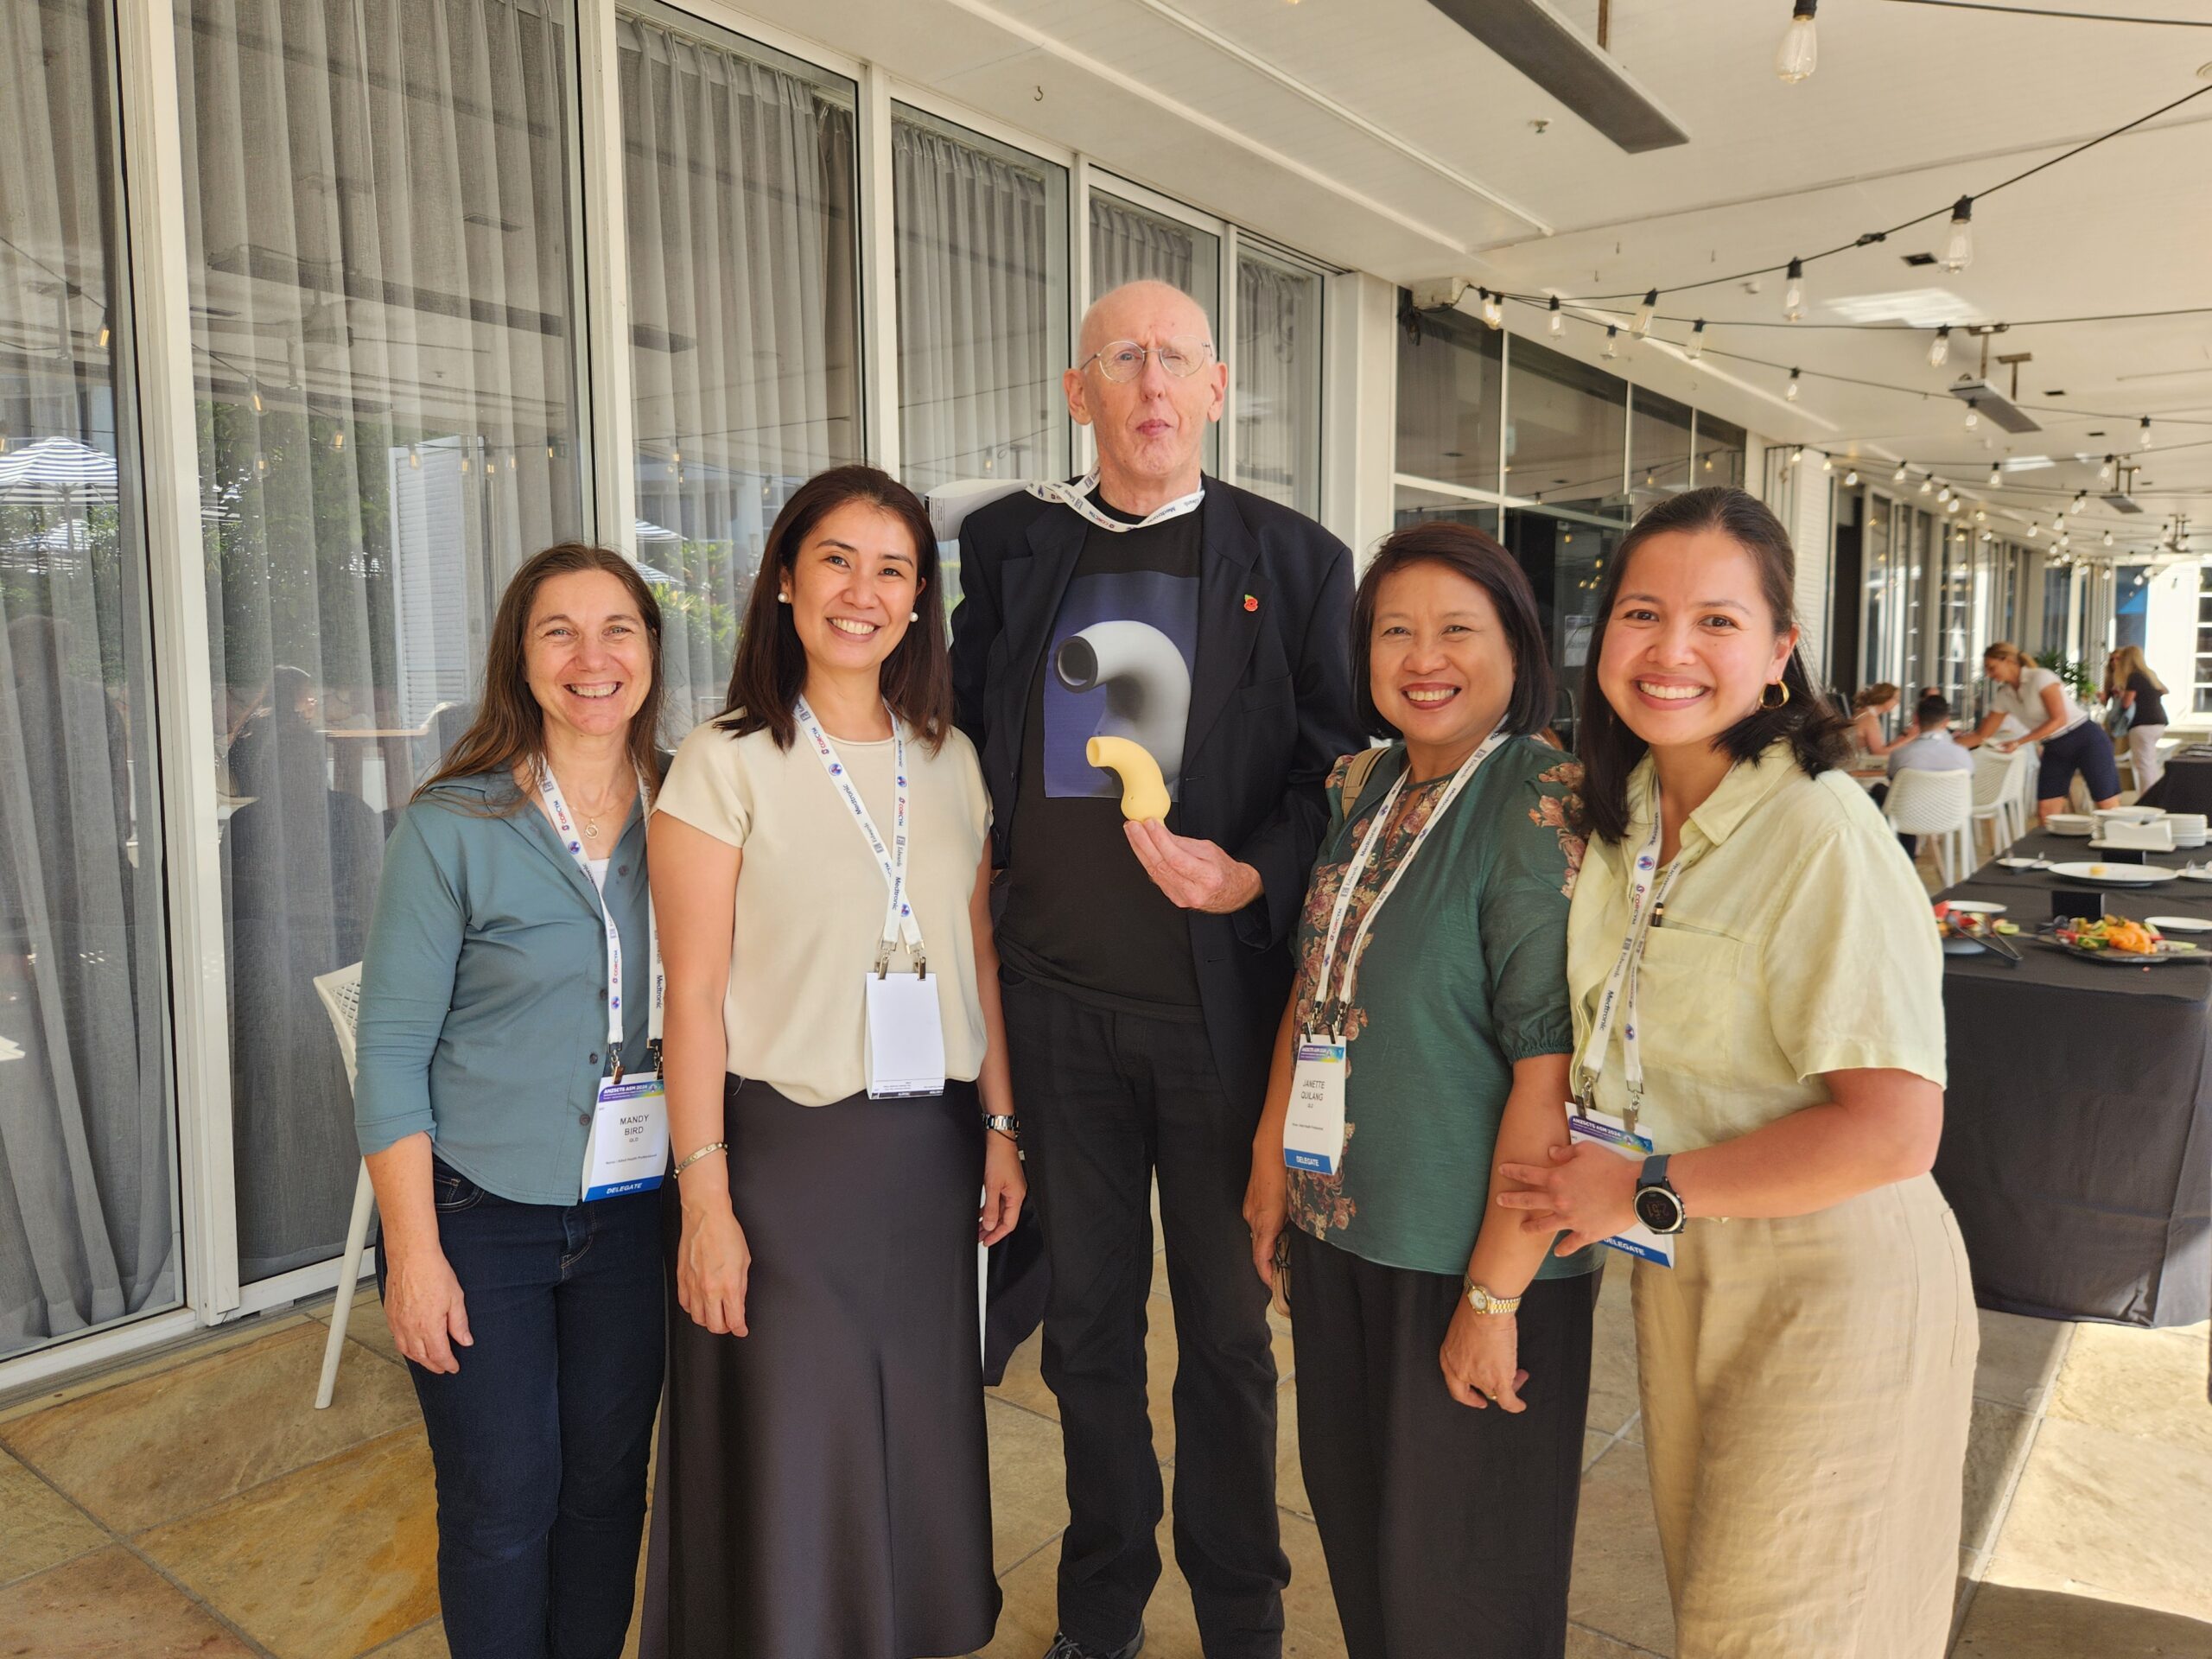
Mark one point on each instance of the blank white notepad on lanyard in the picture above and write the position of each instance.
(627, 1148)
(1646, 901)
(1314, 1133)
(905, 1033)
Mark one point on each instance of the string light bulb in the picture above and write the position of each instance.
(1974, 413)
(2081, 500)
(1851, 478)
(1789, 392)
(1642, 325)
(2032, 532)
(253, 391)
(414, 458)
(1799, 55)
(2144, 442)
(1928, 484)
(1558, 321)
(1493, 309)
(1612, 338)
(1828, 463)
(1958, 247)
(1980, 515)
(2104, 475)
(1793, 292)
(338, 439)
(1996, 474)
(1695, 349)
(2107, 538)
(1952, 506)
(1939, 349)
(1797, 455)
(1898, 477)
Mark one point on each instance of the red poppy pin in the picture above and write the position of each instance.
(1251, 602)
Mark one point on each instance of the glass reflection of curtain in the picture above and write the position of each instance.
(376, 204)
(979, 320)
(85, 1230)
(1128, 246)
(1277, 405)
(744, 325)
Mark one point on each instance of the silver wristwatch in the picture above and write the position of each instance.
(1004, 1123)
(1482, 1301)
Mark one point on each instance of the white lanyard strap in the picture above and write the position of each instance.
(1647, 897)
(1358, 869)
(899, 926)
(564, 821)
(1077, 498)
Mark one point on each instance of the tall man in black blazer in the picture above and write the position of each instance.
(1146, 963)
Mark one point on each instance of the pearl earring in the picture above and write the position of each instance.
(783, 598)
(913, 616)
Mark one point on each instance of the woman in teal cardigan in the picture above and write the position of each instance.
(529, 1316)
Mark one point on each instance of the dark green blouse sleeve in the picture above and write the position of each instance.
(1524, 905)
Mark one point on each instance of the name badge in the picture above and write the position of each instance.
(1602, 1128)
(1313, 1134)
(627, 1151)
(906, 1037)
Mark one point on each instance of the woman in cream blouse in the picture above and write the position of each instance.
(1806, 1363)
(823, 1490)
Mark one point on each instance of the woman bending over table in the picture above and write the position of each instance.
(1757, 989)
(2073, 744)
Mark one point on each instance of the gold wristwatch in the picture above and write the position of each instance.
(1483, 1302)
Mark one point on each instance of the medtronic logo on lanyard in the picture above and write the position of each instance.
(905, 1032)
(627, 1148)
(1313, 1132)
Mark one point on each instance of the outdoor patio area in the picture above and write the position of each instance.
(197, 1504)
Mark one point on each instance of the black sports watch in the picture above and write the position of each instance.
(1658, 1207)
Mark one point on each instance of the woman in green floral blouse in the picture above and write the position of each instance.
(1443, 1357)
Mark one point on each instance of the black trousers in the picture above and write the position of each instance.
(1449, 1530)
(1106, 1100)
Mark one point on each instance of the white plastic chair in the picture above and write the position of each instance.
(341, 998)
(1939, 805)
(1997, 795)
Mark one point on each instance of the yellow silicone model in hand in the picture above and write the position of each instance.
(1144, 791)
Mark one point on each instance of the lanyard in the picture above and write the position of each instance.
(899, 923)
(1077, 496)
(565, 822)
(1647, 897)
(1357, 869)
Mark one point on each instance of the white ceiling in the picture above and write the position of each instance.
(1378, 135)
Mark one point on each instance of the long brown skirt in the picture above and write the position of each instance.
(824, 1491)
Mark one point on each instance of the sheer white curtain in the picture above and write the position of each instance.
(85, 1229)
(1277, 366)
(382, 281)
(1128, 243)
(983, 308)
(744, 318)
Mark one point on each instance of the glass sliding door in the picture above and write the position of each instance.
(1276, 399)
(1660, 463)
(87, 1224)
(982, 283)
(384, 347)
(1450, 391)
(744, 292)
(1566, 431)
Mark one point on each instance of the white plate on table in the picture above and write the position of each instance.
(2178, 925)
(1975, 906)
(2079, 824)
(2023, 863)
(2204, 875)
(2125, 875)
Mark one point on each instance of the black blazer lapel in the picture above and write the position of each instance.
(1231, 598)
(1031, 589)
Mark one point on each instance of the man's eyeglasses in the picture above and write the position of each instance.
(1123, 360)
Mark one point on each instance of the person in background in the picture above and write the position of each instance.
(2130, 683)
(1145, 968)
(824, 1491)
(1868, 709)
(529, 1317)
(1806, 1363)
(1443, 1354)
(2073, 744)
(1930, 747)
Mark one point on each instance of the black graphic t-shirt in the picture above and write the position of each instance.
(1080, 911)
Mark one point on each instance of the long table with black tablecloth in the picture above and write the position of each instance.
(2186, 785)
(2077, 1131)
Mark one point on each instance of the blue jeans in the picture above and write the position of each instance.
(540, 1440)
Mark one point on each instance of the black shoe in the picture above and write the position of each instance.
(1066, 1647)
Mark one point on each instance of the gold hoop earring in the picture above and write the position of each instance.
(1782, 686)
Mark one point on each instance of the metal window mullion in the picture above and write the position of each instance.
(183, 680)
(878, 256)
(1082, 448)
(609, 388)
(1226, 347)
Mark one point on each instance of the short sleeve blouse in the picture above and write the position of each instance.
(1797, 940)
(810, 897)
(2025, 703)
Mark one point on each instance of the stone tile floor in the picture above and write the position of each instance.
(196, 1504)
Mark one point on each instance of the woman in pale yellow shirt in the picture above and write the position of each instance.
(1806, 1363)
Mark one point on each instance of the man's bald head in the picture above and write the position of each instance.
(1145, 311)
